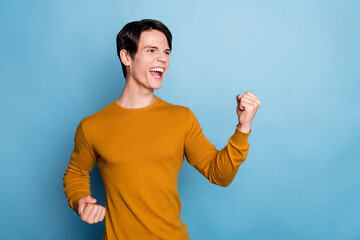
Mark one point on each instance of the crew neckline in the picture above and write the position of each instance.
(157, 100)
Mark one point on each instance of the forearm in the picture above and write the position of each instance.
(223, 168)
(76, 185)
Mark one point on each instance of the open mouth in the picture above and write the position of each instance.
(157, 72)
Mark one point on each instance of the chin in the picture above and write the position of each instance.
(156, 87)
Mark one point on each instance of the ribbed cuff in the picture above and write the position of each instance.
(240, 138)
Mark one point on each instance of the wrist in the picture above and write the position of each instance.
(243, 128)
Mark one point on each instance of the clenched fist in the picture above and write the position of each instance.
(89, 211)
(247, 106)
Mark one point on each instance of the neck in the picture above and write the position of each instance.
(135, 96)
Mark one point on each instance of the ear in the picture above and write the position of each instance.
(125, 57)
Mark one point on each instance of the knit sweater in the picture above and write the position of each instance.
(140, 152)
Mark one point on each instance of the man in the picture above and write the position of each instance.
(139, 142)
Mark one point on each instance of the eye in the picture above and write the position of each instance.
(150, 50)
(167, 52)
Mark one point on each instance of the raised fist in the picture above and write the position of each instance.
(247, 106)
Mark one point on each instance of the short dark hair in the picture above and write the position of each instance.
(129, 36)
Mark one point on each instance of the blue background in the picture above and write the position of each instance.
(301, 179)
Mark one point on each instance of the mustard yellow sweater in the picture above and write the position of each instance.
(140, 153)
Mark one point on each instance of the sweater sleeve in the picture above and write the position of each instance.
(76, 177)
(219, 167)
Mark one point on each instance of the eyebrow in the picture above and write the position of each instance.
(168, 49)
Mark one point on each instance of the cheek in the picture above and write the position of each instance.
(140, 67)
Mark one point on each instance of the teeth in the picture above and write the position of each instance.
(157, 69)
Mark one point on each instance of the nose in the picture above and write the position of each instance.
(162, 57)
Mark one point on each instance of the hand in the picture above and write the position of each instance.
(89, 211)
(247, 106)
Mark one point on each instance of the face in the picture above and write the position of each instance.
(150, 63)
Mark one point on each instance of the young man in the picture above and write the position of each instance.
(139, 142)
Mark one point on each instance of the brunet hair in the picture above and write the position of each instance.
(129, 36)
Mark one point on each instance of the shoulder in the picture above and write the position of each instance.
(98, 117)
(172, 108)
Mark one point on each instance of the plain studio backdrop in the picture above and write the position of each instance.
(301, 180)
